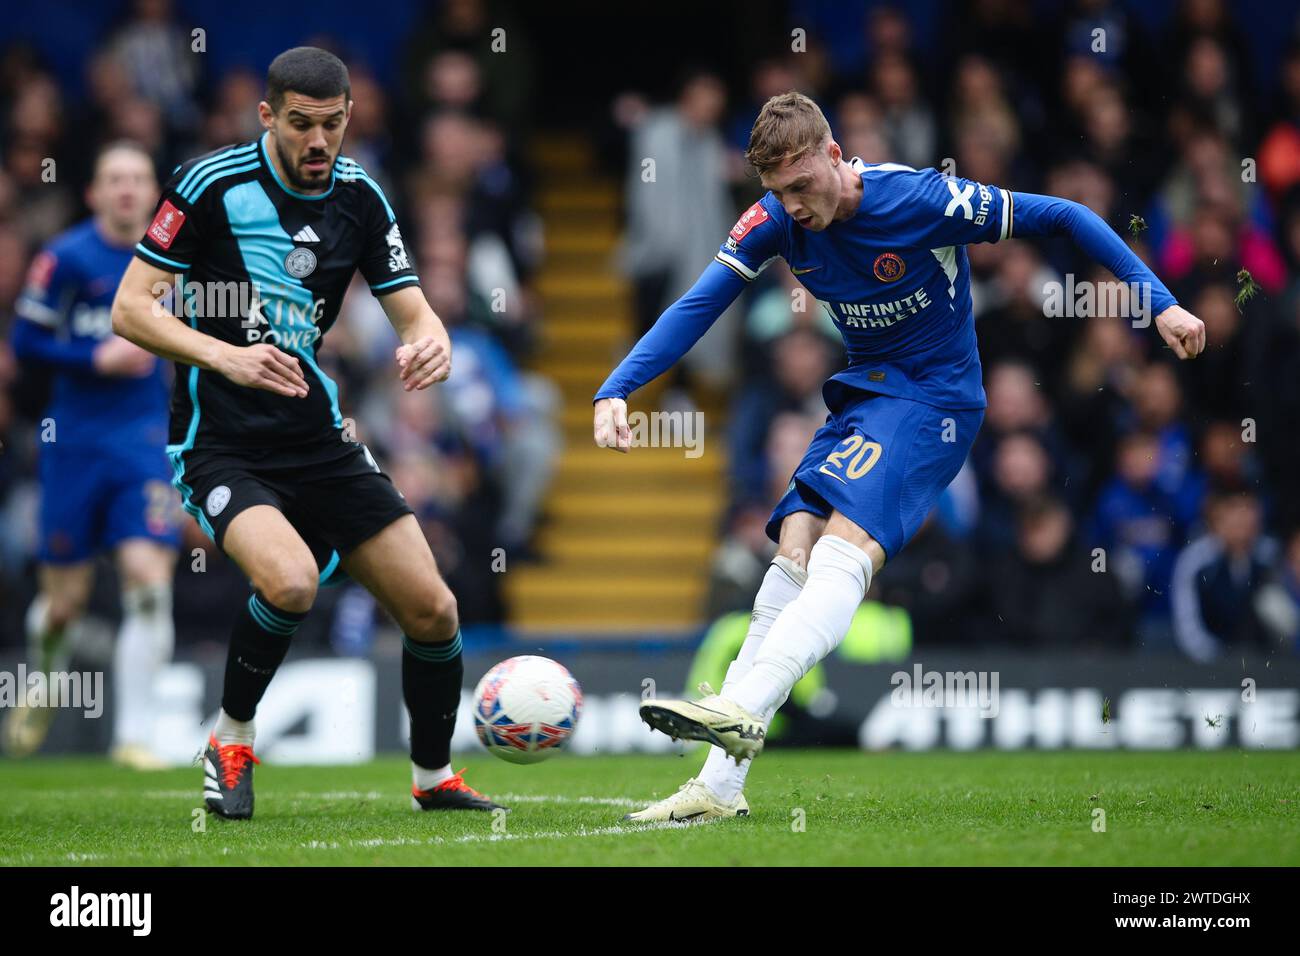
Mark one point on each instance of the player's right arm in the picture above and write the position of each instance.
(167, 250)
(41, 333)
(140, 317)
(753, 242)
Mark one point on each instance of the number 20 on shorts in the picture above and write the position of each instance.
(854, 458)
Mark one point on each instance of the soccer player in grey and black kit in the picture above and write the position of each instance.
(258, 447)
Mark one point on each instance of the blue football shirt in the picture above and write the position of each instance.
(895, 277)
(68, 299)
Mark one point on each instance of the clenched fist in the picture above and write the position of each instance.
(610, 424)
(1182, 331)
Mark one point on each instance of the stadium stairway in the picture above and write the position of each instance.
(627, 539)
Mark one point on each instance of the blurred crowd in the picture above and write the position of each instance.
(474, 458)
(1116, 498)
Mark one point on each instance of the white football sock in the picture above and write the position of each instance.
(48, 647)
(425, 779)
(144, 645)
(810, 627)
(780, 586)
(231, 731)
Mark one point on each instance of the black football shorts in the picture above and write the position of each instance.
(334, 495)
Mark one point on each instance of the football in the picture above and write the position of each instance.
(526, 708)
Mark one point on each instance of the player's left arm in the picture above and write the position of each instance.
(929, 210)
(424, 357)
(1033, 215)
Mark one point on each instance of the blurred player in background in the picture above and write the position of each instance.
(882, 247)
(105, 482)
(261, 454)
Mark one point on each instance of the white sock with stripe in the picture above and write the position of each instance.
(781, 585)
(810, 627)
(144, 646)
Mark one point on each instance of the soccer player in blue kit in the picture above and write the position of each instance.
(105, 481)
(882, 247)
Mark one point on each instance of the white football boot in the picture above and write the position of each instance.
(695, 802)
(25, 729)
(136, 757)
(715, 719)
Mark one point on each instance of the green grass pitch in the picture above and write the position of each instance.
(809, 808)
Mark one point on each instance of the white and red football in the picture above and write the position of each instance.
(526, 708)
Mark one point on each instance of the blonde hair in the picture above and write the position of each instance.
(789, 126)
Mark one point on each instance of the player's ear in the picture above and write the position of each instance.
(265, 114)
(835, 153)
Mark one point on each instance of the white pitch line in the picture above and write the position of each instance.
(374, 842)
(581, 799)
(581, 832)
(560, 798)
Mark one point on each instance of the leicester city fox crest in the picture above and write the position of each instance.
(300, 263)
(218, 498)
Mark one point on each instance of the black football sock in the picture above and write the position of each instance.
(258, 645)
(432, 675)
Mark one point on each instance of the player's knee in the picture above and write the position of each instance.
(433, 619)
(290, 588)
(799, 532)
(796, 553)
(147, 569)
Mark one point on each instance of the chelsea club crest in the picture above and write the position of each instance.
(300, 263)
(888, 267)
